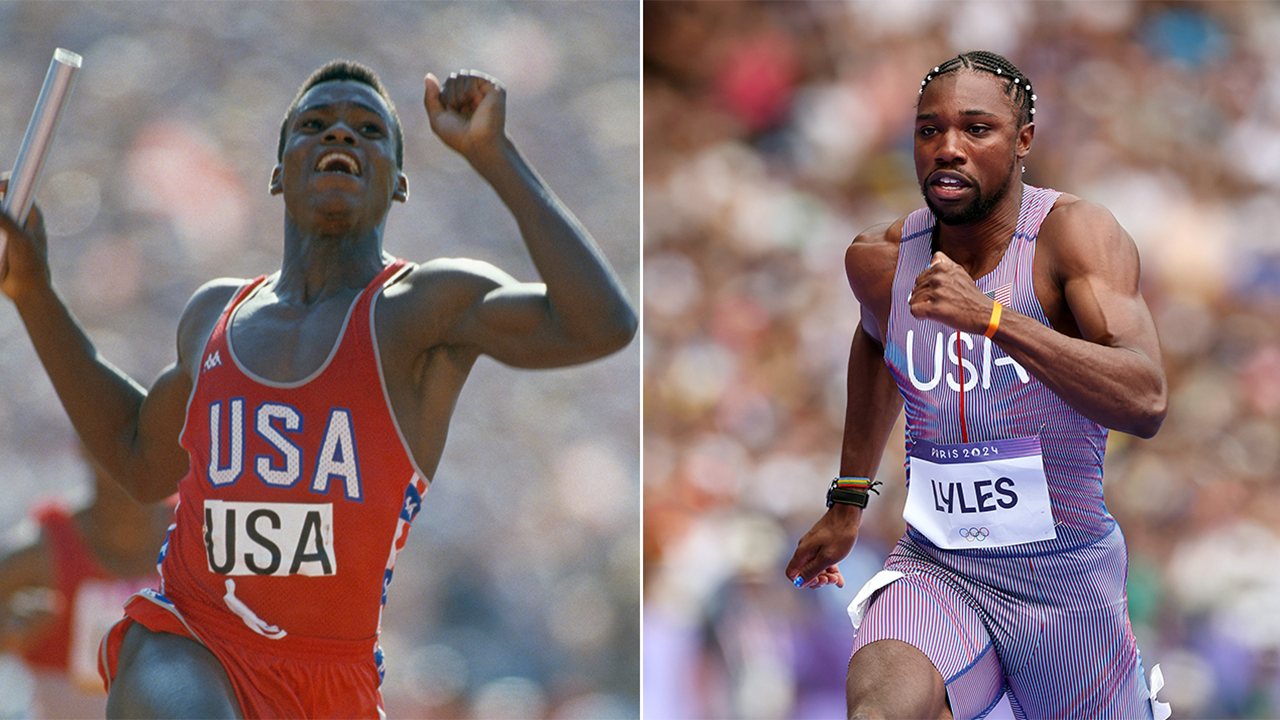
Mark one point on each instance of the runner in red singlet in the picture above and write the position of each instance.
(313, 404)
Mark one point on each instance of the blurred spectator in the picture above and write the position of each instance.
(61, 592)
(1168, 113)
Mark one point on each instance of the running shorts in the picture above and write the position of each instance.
(1051, 628)
(268, 685)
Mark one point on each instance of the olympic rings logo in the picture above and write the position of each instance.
(977, 534)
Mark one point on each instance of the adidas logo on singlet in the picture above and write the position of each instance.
(214, 361)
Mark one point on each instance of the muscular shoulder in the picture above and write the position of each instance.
(213, 295)
(446, 283)
(459, 274)
(201, 314)
(1083, 236)
(870, 263)
(432, 296)
(1073, 214)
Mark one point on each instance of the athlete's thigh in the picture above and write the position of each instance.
(1086, 663)
(891, 679)
(161, 675)
(916, 618)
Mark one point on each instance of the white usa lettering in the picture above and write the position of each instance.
(338, 456)
(220, 474)
(284, 470)
(968, 370)
(280, 426)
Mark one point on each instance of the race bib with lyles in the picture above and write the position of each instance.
(247, 538)
(979, 495)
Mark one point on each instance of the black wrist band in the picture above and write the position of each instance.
(847, 497)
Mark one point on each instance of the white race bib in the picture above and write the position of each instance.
(245, 538)
(979, 495)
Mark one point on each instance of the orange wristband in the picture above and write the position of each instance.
(994, 325)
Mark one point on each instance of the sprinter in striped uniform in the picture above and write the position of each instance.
(1007, 319)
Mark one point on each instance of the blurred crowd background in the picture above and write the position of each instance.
(518, 593)
(773, 133)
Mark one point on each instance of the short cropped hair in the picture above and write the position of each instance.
(335, 70)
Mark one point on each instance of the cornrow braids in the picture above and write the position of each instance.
(1017, 87)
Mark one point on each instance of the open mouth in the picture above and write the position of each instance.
(949, 184)
(338, 162)
(948, 180)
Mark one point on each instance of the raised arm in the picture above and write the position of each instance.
(131, 432)
(1100, 320)
(579, 312)
(872, 408)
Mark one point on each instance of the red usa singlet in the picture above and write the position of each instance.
(299, 495)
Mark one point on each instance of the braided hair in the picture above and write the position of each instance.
(1017, 86)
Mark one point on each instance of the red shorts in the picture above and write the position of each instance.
(267, 684)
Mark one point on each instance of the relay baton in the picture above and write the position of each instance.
(35, 144)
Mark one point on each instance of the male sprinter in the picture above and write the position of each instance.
(1008, 318)
(313, 405)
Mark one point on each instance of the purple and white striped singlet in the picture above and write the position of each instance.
(1000, 399)
(1046, 621)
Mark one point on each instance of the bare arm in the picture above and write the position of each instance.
(580, 311)
(1098, 265)
(133, 434)
(873, 405)
(1095, 263)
